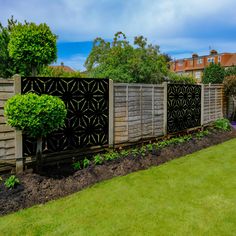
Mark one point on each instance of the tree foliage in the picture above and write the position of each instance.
(25, 48)
(230, 90)
(123, 62)
(48, 71)
(7, 65)
(35, 115)
(181, 79)
(230, 71)
(31, 46)
(214, 74)
(230, 85)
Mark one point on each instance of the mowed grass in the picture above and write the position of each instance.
(193, 195)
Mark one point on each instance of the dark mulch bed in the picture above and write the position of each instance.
(58, 182)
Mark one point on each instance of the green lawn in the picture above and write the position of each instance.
(193, 195)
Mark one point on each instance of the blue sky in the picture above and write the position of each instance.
(179, 27)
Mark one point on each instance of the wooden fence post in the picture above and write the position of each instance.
(202, 104)
(18, 133)
(165, 109)
(111, 114)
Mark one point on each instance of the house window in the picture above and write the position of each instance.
(198, 75)
(210, 59)
(199, 61)
(180, 63)
(219, 59)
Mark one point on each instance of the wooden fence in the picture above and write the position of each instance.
(10, 144)
(140, 110)
(136, 112)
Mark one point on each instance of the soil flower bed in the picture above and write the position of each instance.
(55, 183)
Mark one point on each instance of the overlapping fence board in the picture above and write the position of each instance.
(7, 134)
(213, 102)
(138, 112)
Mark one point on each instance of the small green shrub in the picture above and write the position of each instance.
(149, 147)
(98, 159)
(76, 165)
(111, 156)
(35, 115)
(135, 152)
(143, 151)
(11, 182)
(86, 163)
(222, 124)
(181, 79)
(124, 153)
(202, 134)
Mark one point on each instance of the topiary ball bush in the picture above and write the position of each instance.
(35, 115)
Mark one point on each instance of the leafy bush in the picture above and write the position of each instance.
(11, 182)
(181, 79)
(35, 115)
(230, 90)
(230, 71)
(202, 134)
(76, 165)
(48, 71)
(230, 85)
(110, 156)
(214, 74)
(86, 163)
(32, 46)
(119, 60)
(222, 124)
(98, 160)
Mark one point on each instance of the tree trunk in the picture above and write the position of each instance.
(39, 151)
(34, 71)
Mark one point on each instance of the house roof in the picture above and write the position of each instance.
(64, 68)
(231, 61)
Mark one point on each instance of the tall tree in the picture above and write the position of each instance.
(123, 62)
(32, 46)
(7, 66)
(214, 74)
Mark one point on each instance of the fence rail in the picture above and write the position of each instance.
(136, 112)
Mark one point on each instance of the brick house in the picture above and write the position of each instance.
(195, 65)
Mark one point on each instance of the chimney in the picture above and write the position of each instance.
(213, 52)
(194, 55)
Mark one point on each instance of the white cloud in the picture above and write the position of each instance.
(190, 26)
(85, 19)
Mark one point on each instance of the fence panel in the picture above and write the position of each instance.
(87, 102)
(138, 112)
(213, 102)
(183, 107)
(7, 134)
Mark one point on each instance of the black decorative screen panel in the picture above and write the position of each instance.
(87, 102)
(183, 107)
